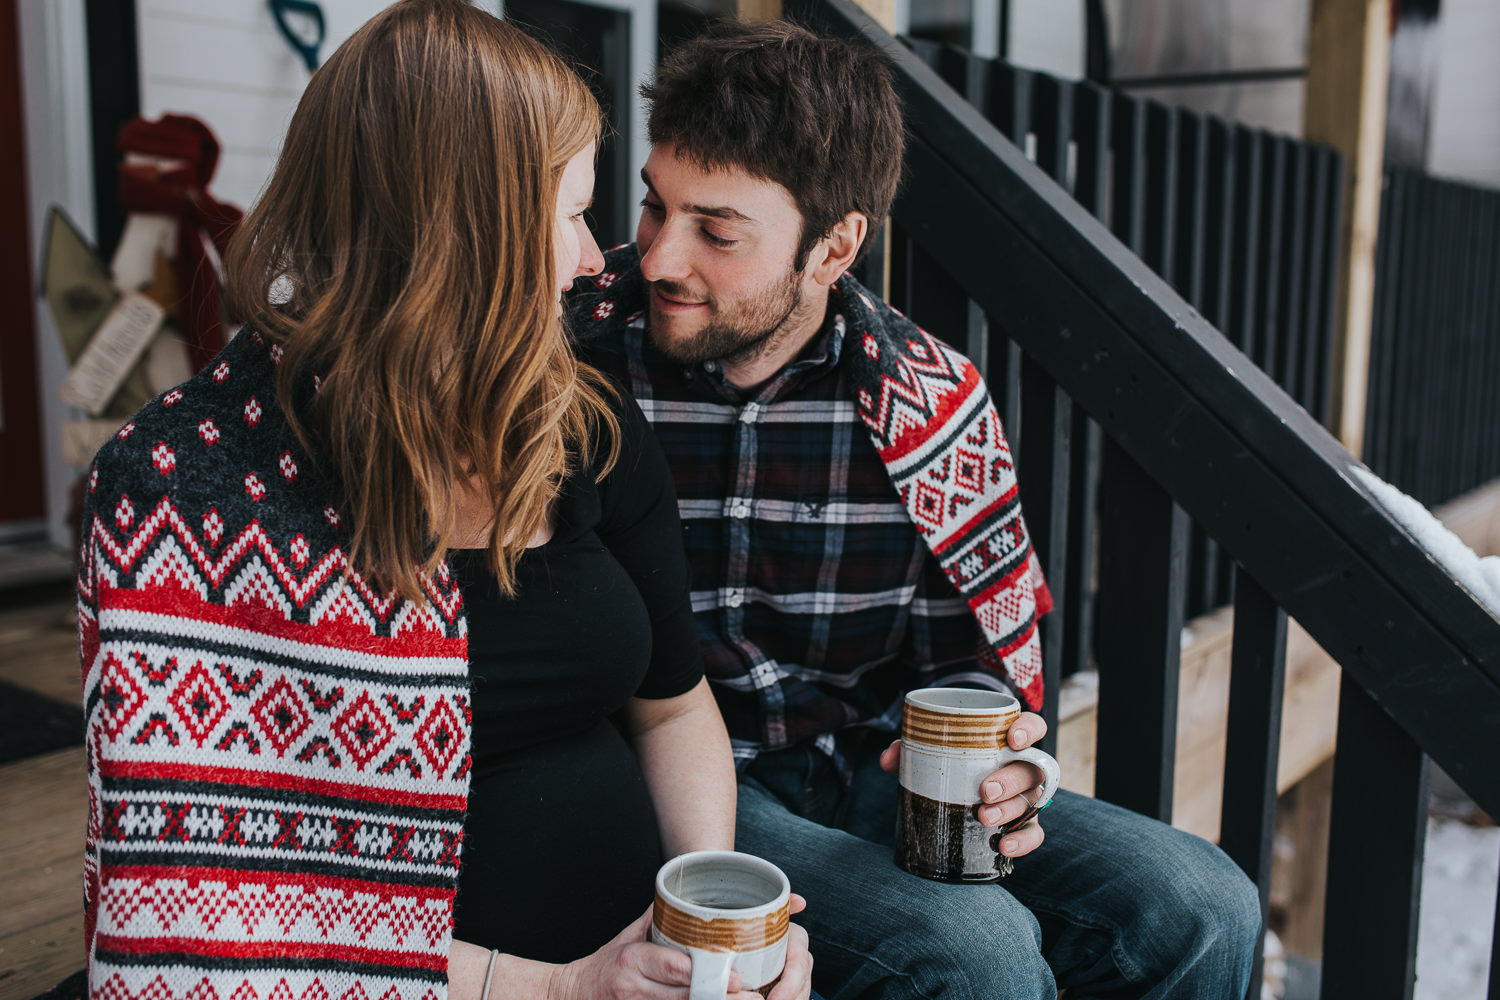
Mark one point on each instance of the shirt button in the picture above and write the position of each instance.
(741, 510)
(749, 413)
(735, 598)
(710, 366)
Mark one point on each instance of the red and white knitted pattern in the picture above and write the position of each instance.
(278, 755)
(931, 419)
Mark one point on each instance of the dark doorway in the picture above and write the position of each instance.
(596, 41)
(23, 499)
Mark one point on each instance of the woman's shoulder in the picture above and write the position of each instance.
(215, 436)
(632, 429)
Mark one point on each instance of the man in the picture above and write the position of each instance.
(795, 409)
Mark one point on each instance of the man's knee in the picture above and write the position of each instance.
(965, 942)
(1213, 917)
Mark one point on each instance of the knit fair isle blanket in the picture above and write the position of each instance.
(278, 755)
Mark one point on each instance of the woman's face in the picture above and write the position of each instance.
(577, 253)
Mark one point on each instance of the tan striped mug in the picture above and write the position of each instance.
(728, 911)
(951, 739)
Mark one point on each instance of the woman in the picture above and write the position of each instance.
(391, 557)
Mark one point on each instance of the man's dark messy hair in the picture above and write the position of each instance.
(817, 115)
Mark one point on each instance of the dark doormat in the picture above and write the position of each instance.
(75, 987)
(31, 724)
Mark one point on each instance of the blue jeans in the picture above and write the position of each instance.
(1112, 905)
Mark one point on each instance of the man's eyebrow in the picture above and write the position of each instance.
(724, 212)
(712, 211)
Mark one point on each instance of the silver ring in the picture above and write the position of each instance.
(1029, 804)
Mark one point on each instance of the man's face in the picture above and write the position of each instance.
(717, 249)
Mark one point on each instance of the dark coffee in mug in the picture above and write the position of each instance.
(951, 740)
(940, 840)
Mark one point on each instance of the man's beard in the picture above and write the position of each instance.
(733, 334)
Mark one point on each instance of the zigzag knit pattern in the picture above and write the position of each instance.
(931, 419)
(278, 754)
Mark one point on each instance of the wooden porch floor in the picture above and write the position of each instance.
(43, 801)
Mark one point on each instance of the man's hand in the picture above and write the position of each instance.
(1006, 794)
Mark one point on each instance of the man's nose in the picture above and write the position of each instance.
(666, 258)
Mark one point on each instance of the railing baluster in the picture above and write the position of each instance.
(1047, 421)
(933, 299)
(1003, 376)
(1248, 224)
(1078, 602)
(1161, 189)
(1142, 573)
(1092, 125)
(1315, 340)
(1189, 276)
(1294, 262)
(1410, 312)
(1464, 450)
(1052, 120)
(1046, 432)
(1379, 414)
(1494, 990)
(1490, 413)
(1268, 343)
(1378, 830)
(1128, 202)
(1010, 102)
(1328, 281)
(1218, 294)
(1438, 383)
(1092, 119)
(1253, 741)
(1469, 470)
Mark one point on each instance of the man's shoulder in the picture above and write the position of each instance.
(601, 306)
(877, 333)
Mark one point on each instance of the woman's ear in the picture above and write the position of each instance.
(834, 253)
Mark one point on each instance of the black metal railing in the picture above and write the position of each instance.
(1241, 222)
(1432, 417)
(1190, 427)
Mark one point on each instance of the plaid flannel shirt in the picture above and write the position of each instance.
(817, 602)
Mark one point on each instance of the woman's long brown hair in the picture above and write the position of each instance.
(402, 256)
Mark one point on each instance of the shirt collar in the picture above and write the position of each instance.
(821, 357)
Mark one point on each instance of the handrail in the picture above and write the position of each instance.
(1230, 447)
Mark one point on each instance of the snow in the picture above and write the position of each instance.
(1480, 576)
(1459, 878)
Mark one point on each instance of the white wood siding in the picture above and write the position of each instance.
(227, 64)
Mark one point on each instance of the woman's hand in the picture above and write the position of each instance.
(631, 967)
(628, 967)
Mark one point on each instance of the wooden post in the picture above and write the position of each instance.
(757, 10)
(1348, 56)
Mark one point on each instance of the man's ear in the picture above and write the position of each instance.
(834, 253)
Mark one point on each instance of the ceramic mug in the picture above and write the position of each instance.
(726, 910)
(951, 739)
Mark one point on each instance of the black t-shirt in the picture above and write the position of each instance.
(561, 844)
